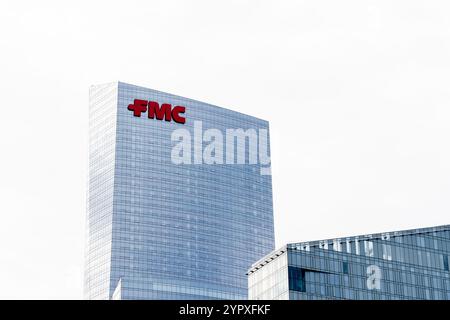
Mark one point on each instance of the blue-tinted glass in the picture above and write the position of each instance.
(160, 230)
(345, 267)
(411, 264)
(296, 279)
(445, 258)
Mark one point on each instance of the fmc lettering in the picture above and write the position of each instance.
(163, 112)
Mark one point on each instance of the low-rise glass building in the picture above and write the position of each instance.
(402, 265)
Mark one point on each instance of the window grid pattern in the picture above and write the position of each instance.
(102, 127)
(183, 231)
(403, 265)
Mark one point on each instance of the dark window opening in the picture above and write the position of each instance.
(345, 267)
(297, 279)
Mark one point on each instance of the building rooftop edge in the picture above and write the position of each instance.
(378, 235)
(178, 96)
(289, 246)
(267, 258)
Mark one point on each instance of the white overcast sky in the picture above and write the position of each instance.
(357, 94)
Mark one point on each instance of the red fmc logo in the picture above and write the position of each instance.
(163, 112)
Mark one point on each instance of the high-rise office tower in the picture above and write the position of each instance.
(179, 199)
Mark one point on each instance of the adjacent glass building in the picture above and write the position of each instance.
(160, 230)
(405, 265)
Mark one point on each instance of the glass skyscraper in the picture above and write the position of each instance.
(403, 265)
(163, 230)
